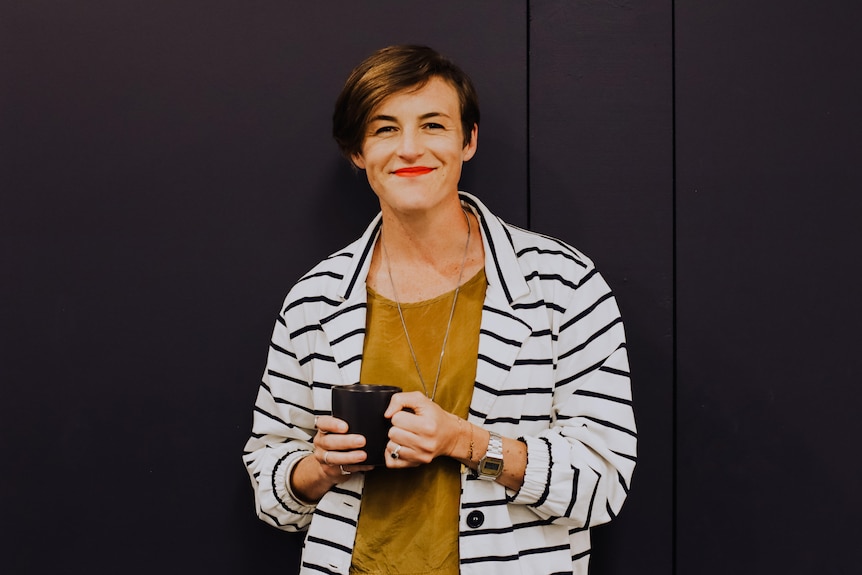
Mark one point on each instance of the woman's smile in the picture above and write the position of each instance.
(413, 171)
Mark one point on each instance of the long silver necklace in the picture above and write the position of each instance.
(451, 312)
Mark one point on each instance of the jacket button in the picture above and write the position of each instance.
(475, 519)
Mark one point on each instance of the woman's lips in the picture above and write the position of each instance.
(413, 171)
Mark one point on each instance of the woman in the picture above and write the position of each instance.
(515, 432)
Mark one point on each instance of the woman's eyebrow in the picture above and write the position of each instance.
(433, 115)
(382, 118)
(385, 118)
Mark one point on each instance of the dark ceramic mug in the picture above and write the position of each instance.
(362, 406)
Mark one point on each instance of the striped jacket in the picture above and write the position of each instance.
(552, 370)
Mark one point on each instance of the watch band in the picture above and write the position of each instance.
(491, 464)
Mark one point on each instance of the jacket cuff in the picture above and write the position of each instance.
(537, 473)
(281, 483)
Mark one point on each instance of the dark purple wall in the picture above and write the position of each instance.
(601, 177)
(768, 237)
(166, 172)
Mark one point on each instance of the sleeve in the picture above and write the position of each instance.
(282, 431)
(579, 470)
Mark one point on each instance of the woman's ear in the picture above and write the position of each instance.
(357, 160)
(470, 148)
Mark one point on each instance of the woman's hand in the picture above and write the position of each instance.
(336, 455)
(337, 452)
(421, 430)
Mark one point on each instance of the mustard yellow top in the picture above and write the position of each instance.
(408, 521)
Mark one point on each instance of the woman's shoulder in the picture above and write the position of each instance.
(540, 252)
(323, 281)
(532, 249)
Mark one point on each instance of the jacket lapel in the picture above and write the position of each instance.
(345, 326)
(502, 331)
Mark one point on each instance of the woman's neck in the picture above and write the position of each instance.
(425, 256)
(434, 238)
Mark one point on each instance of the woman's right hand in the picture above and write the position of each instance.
(337, 451)
(336, 455)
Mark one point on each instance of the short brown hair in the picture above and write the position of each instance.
(390, 70)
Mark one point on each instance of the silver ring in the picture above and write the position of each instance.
(394, 454)
(343, 472)
(325, 460)
(316, 417)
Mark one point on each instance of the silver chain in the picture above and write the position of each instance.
(451, 311)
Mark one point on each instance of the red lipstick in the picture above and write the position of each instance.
(413, 171)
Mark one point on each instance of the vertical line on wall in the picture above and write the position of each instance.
(529, 157)
(674, 385)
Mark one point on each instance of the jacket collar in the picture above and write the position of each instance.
(501, 262)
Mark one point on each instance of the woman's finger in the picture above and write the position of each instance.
(406, 401)
(329, 424)
(399, 456)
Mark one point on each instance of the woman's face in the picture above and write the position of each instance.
(414, 148)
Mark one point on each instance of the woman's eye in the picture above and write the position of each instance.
(434, 126)
(384, 130)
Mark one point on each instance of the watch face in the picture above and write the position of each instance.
(490, 467)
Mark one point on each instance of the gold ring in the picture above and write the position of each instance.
(325, 460)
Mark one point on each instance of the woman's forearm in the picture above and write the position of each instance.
(472, 443)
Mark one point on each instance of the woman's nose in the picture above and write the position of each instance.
(410, 144)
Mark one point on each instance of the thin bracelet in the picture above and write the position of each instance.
(470, 454)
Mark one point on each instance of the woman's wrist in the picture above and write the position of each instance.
(306, 481)
(289, 483)
(464, 446)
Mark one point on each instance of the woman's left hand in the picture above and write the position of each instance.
(421, 430)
